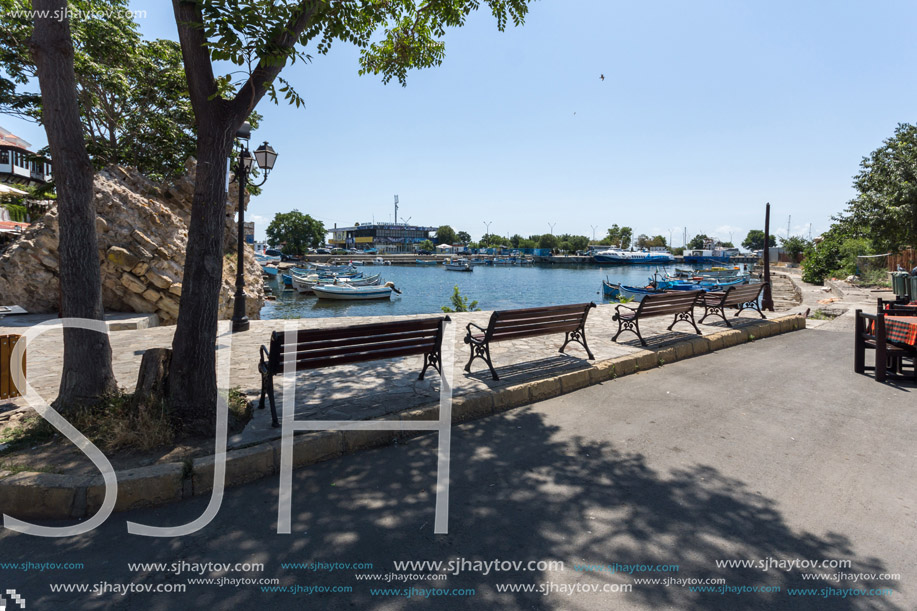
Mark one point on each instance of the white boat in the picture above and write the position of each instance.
(305, 284)
(458, 265)
(655, 255)
(354, 293)
(380, 261)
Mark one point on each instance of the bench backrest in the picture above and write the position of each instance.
(8, 390)
(743, 293)
(316, 348)
(528, 322)
(671, 302)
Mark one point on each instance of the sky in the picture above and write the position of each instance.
(708, 110)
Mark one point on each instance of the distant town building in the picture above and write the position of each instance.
(19, 164)
(248, 232)
(384, 237)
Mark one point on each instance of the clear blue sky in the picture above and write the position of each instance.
(707, 111)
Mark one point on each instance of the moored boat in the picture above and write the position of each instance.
(458, 265)
(344, 292)
(616, 291)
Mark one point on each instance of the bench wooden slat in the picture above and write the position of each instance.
(679, 303)
(421, 343)
(360, 340)
(359, 357)
(4, 367)
(532, 323)
(742, 297)
(307, 335)
(532, 331)
(543, 311)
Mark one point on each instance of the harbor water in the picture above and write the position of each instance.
(425, 289)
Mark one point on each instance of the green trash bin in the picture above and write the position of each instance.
(900, 283)
(912, 288)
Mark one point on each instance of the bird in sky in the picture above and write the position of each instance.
(602, 76)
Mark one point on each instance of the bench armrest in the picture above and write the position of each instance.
(265, 358)
(622, 305)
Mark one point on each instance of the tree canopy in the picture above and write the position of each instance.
(885, 207)
(295, 232)
(463, 237)
(755, 240)
(132, 93)
(619, 236)
(644, 241)
(445, 235)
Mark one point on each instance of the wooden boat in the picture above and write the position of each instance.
(379, 261)
(422, 262)
(616, 291)
(458, 265)
(305, 284)
(343, 292)
(269, 270)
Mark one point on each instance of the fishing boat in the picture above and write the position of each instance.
(344, 292)
(714, 272)
(710, 255)
(422, 262)
(653, 256)
(380, 261)
(707, 284)
(616, 291)
(334, 269)
(269, 269)
(305, 284)
(458, 265)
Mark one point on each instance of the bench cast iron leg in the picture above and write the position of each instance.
(687, 317)
(270, 395)
(717, 311)
(751, 305)
(578, 336)
(263, 389)
(431, 359)
(629, 325)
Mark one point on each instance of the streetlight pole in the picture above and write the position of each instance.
(551, 225)
(487, 225)
(594, 227)
(265, 157)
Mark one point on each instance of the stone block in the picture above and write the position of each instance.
(541, 390)
(603, 371)
(143, 240)
(37, 495)
(158, 279)
(175, 289)
(362, 440)
(140, 269)
(574, 380)
(624, 365)
(472, 407)
(242, 466)
(646, 359)
(168, 305)
(151, 295)
(666, 356)
(684, 350)
(133, 283)
(428, 414)
(122, 258)
(510, 397)
(143, 487)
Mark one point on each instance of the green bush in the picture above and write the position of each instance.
(834, 257)
(460, 304)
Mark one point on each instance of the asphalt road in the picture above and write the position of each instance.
(773, 452)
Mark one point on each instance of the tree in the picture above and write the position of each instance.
(725, 244)
(515, 240)
(460, 303)
(445, 235)
(795, 246)
(262, 37)
(463, 237)
(547, 241)
(885, 207)
(699, 241)
(87, 369)
(426, 245)
(296, 231)
(755, 240)
(619, 236)
(132, 93)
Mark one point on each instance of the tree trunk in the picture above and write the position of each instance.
(87, 372)
(192, 374)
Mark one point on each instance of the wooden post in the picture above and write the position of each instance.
(767, 300)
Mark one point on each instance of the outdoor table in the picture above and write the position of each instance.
(901, 329)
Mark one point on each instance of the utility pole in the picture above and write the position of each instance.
(487, 225)
(788, 219)
(396, 209)
(551, 225)
(593, 232)
(767, 300)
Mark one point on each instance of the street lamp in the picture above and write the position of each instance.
(264, 157)
(551, 225)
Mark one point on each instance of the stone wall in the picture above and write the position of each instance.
(142, 228)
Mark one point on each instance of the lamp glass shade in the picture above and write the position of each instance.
(246, 158)
(265, 156)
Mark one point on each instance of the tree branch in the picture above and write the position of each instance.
(198, 67)
(262, 76)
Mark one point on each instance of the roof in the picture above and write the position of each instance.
(383, 226)
(7, 138)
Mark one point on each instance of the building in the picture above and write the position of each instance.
(248, 232)
(384, 237)
(19, 165)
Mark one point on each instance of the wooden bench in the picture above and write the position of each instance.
(8, 390)
(741, 297)
(869, 334)
(679, 303)
(319, 348)
(515, 324)
(898, 307)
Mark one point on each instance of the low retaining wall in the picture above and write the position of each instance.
(56, 496)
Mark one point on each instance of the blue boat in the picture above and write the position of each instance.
(616, 291)
(287, 279)
(422, 262)
(715, 256)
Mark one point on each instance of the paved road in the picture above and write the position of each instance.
(772, 450)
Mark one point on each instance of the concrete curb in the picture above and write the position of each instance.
(54, 496)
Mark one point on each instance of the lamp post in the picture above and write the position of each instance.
(264, 156)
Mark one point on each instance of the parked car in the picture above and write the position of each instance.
(353, 251)
(273, 252)
(322, 251)
(371, 251)
(424, 252)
